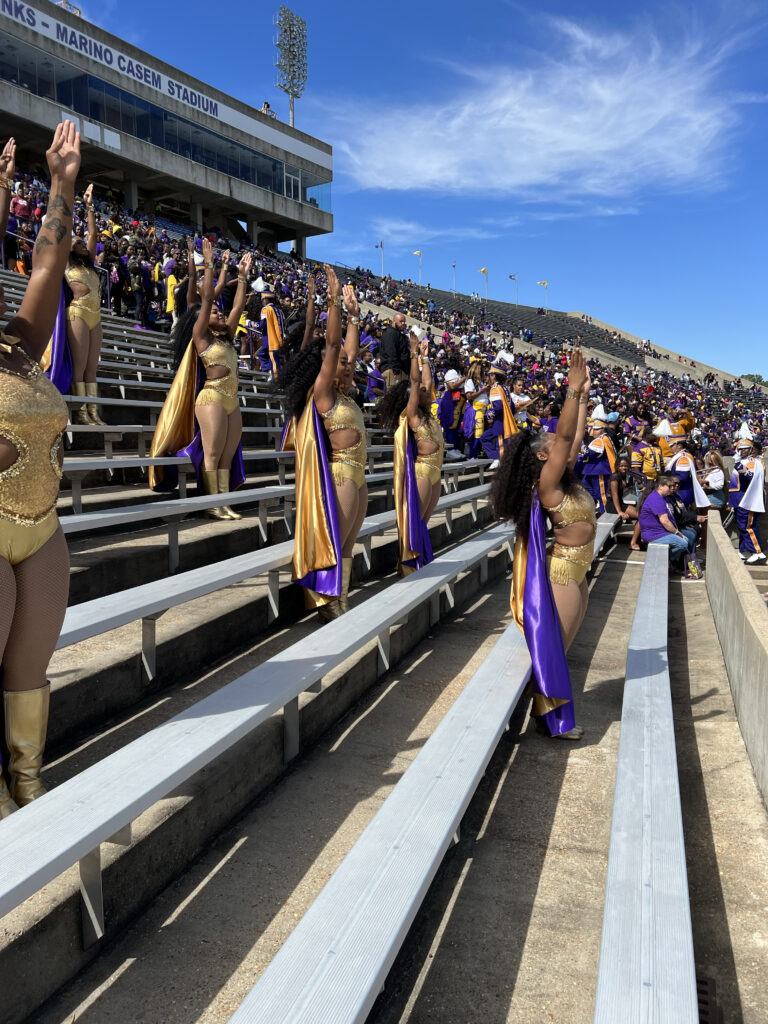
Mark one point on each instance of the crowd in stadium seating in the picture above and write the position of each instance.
(147, 268)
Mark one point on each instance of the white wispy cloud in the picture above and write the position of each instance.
(403, 233)
(599, 114)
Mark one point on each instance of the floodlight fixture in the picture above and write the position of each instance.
(291, 63)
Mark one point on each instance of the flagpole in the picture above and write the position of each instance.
(517, 297)
(382, 259)
(419, 270)
(486, 288)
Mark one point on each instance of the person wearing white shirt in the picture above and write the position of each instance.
(519, 400)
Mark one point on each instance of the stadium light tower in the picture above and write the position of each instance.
(291, 63)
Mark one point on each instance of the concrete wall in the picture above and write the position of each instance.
(741, 618)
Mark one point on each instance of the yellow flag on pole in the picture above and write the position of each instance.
(417, 252)
(545, 283)
(483, 270)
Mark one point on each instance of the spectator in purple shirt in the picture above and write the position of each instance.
(658, 524)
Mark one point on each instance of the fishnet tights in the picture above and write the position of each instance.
(33, 600)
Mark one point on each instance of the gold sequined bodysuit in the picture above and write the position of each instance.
(572, 562)
(347, 463)
(87, 306)
(430, 465)
(32, 417)
(224, 390)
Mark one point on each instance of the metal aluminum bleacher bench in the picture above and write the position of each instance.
(336, 960)
(69, 824)
(647, 973)
(151, 600)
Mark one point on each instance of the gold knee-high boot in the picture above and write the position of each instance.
(346, 573)
(223, 479)
(330, 610)
(7, 806)
(80, 415)
(26, 726)
(92, 391)
(211, 486)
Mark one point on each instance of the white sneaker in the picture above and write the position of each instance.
(757, 557)
(453, 455)
(742, 556)
(494, 464)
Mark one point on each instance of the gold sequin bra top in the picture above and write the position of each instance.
(578, 506)
(32, 417)
(222, 354)
(346, 415)
(430, 430)
(91, 300)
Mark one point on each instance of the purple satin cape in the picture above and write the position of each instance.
(468, 423)
(325, 581)
(541, 627)
(446, 411)
(60, 370)
(418, 532)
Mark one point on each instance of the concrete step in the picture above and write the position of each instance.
(40, 945)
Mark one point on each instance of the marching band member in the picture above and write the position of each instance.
(598, 459)
(503, 427)
(746, 497)
(682, 464)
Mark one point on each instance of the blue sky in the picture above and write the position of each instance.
(617, 150)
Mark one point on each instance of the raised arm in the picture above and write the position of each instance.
(7, 171)
(309, 328)
(192, 292)
(206, 299)
(426, 369)
(581, 423)
(412, 408)
(222, 275)
(324, 389)
(552, 472)
(34, 323)
(352, 340)
(238, 305)
(91, 240)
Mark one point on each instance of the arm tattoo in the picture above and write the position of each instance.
(41, 242)
(56, 226)
(58, 204)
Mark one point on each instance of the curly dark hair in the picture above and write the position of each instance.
(298, 375)
(392, 403)
(77, 259)
(518, 474)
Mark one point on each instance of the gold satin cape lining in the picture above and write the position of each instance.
(541, 704)
(313, 546)
(510, 427)
(274, 338)
(176, 422)
(401, 496)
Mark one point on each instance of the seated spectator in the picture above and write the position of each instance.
(659, 526)
(712, 479)
(622, 496)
